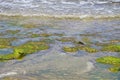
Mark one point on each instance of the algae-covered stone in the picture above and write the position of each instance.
(114, 69)
(70, 49)
(12, 31)
(67, 39)
(88, 49)
(29, 25)
(109, 60)
(111, 48)
(45, 34)
(35, 35)
(114, 61)
(11, 78)
(25, 49)
(41, 35)
(31, 47)
(6, 42)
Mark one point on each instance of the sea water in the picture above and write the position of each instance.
(54, 63)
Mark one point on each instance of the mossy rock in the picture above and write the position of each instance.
(109, 60)
(29, 25)
(25, 49)
(88, 49)
(10, 78)
(12, 31)
(35, 35)
(67, 39)
(114, 61)
(70, 49)
(115, 69)
(31, 47)
(111, 48)
(58, 34)
(45, 34)
(6, 42)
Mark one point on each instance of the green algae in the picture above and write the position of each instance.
(25, 49)
(88, 49)
(109, 60)
(12, 31)
(111, 48)
(29, 25)
(10, 78)
(45, 34)
(67, 39)
(114, 61)
(76, 48)
(70, 49)
(6, 42)
(35, 35)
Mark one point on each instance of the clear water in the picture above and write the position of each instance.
(54, 64)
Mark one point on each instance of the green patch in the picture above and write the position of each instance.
(35, 35)
(67, 39)
(58, 34)
(114, 69)
(29, 25)
(11, 78)
(45, 35)
(12, 31)
(111, 48)
(84, 48)
(25, 49)
(114, 61)
(88, 49)
(70, 49)
(6, 42)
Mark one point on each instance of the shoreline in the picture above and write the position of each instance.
(81, 17)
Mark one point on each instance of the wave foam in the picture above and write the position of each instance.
(7, 74)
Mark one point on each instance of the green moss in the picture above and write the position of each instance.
(6, 42)
(31, 47)
(12, 31)
(114, 61)
(45, 35)
(35, 35)
(67, 39)
(70, 49)
(109, 60)
(10, 78)
(25, 49)
(114, 69)
(58, 34)
(88, 49)
(111, 48)
(29, 25)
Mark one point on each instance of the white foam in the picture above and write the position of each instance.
(90, 66)
(7, 74)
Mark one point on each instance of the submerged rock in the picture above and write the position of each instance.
(114, 61)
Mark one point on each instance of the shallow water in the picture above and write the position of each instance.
(54, 63)
(79, 8)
